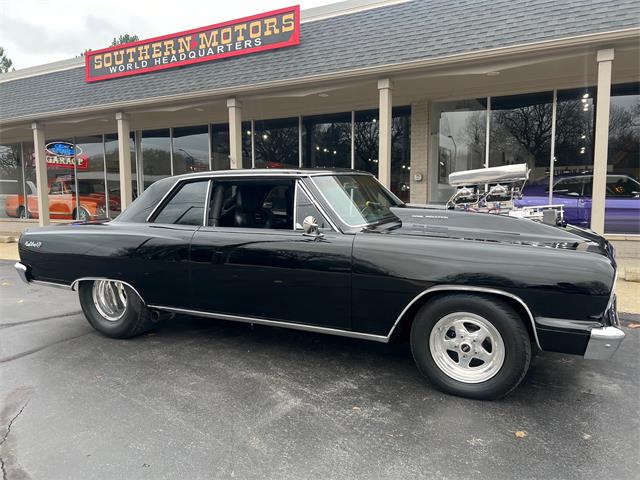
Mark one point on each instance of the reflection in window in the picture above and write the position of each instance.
(190, 149)
(575, 123)
(276, 143)
(60, 186)
(247, 159)
(326, 141)
(186, 207)
(460, 137)
(622, 212)
(156, 155)
(521, 132)
(365, 137)
(401, 152)
(90, 173)
(220, 149)
(12, 201)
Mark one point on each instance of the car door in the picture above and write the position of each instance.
(252, 261)
(622, 205)
(160, 259)
(568, 192)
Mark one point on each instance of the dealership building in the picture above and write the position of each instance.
(409, 90)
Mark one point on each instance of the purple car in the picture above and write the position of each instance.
(622, 207)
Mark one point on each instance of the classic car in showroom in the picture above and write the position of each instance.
(62, 200)
(335, 252)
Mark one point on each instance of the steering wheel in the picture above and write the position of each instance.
(367, 205)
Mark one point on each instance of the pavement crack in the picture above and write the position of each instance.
(35, 350)
(4, 439)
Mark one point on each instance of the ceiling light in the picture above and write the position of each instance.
(493, 74)
(199, 109)
(586, 95)
(323, 95)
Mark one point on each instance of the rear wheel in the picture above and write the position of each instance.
(471, 345)
(81, 214)
(115, 309)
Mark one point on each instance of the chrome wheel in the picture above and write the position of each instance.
(467, 347)
(110, 299)
(82, 215)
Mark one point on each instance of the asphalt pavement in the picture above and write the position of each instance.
(201, 398)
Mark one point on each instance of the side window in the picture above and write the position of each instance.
(619, 186)
(252, 204)
(571, 187)
(56, 189)
(186, 206)
(305, 208)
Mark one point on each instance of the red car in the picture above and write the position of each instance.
(62, 201)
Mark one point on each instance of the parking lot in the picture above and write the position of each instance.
(204, 398)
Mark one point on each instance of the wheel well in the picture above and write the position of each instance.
(403, 328)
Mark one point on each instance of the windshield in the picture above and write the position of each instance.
(357, 199)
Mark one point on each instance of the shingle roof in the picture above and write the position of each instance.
(420, 29)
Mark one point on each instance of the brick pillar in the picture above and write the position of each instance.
(419, 151)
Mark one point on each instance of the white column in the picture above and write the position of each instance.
(124, 159)
(384, 146)
(42, 182)
(235, 132)
(605, 60)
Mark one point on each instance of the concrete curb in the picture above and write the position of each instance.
(8, 238)
(631, 274)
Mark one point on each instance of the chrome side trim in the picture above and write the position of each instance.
(464, 288)
(603, 343)
(22, 271)
(74, 284)
(275, 323)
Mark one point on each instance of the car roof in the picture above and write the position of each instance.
(272, 172)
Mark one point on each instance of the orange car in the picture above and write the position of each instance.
(62, 201)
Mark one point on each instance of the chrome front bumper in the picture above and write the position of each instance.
(604, 341)
(22, 271)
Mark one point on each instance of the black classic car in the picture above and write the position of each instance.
(335, 252)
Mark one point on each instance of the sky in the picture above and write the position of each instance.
(34, 32)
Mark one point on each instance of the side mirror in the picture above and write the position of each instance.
(310, 227)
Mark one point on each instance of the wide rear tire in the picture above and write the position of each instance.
(471, 345)
(115, 309)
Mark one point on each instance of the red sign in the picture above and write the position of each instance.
(55, 161)
(276, 29)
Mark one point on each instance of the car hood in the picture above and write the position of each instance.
(440, 222)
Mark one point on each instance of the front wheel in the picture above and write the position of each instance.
(471, 345)
(115, 309)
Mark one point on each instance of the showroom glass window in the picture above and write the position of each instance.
(622, 212)
(366, 146)
(156, 155)
(326, 141)
(12, 202)
(190, 149)
(247, 135)
(90, 176)
(276, 143)
(365, 138)
(61, 186)
(575, 130)
(458, 141)
(401, 152)
(220, 149)
(520, 132)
